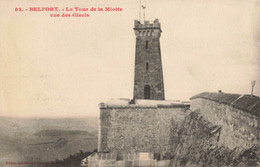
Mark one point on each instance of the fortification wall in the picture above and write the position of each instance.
(239, 128)
(139, 128)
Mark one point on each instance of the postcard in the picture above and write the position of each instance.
(129, 83)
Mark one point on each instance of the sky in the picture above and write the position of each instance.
(64, 67)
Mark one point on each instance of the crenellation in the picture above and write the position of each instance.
(147, 24)
(147, 29)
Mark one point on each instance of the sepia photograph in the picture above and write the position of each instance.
(129, 83)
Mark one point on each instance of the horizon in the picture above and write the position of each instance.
(45, 117)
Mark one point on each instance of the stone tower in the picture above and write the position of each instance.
(148, 81)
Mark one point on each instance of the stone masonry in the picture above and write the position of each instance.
(148, 81)
(139, 127)
(238, 115)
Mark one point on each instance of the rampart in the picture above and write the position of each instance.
(238, 115)
(145, 126)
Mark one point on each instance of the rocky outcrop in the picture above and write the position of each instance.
(198, 145)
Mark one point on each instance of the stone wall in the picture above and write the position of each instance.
(214, 130)
(138, 128)
(239, 128)
(200, 145)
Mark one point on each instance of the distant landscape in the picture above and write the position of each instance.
(45, 139)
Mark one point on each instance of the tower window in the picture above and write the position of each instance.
(147, 65)
(146, 45)
(147, 92)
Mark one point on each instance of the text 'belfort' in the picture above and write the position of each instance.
(70, 11)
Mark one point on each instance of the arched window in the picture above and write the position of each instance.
(143, 33)
(147, 66)
(147, 92)
(146, 45)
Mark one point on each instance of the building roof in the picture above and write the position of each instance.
(246, 103)
(143, 103)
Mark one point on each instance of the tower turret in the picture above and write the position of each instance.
(148, 81)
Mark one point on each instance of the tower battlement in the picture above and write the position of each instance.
(148, 24)
(148, 28)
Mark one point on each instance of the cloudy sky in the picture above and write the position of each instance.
(65, 66)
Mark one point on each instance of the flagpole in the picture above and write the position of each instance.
(144, 11)
(140, 11)
(144, 14)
